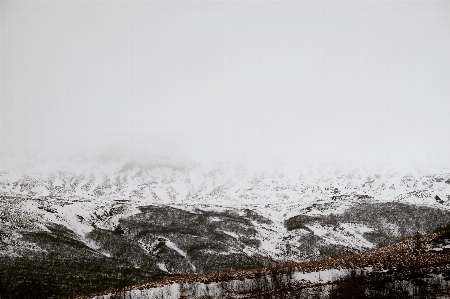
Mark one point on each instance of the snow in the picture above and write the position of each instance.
(347, 234)
(270, 237)
(58, 182)
(68, 217)
(320, 276)
(162, 266)
(171, 291)
(173, 246)
(41, 191)
(249, 251)
(234, 235)
(214, 290)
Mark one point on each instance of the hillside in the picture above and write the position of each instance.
(420, 264)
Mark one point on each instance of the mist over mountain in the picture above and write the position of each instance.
(151, 140)
(252, 81)
(154, 218)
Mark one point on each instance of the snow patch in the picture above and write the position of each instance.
(173, 246)
(346, 234)
(162, 266)
(234, 235)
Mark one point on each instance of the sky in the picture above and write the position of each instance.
(249, 81)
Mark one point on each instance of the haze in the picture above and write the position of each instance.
(256, 81)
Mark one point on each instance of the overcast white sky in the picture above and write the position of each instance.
(251, 81)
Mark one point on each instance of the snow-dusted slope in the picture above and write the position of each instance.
(98, 192)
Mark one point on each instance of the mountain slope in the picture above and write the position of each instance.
(414, 262)
(163, 218)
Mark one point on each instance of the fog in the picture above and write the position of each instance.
(253, 81)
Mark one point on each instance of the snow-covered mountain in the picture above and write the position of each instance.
(165, 181)
(165, 217)
(89, 193)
